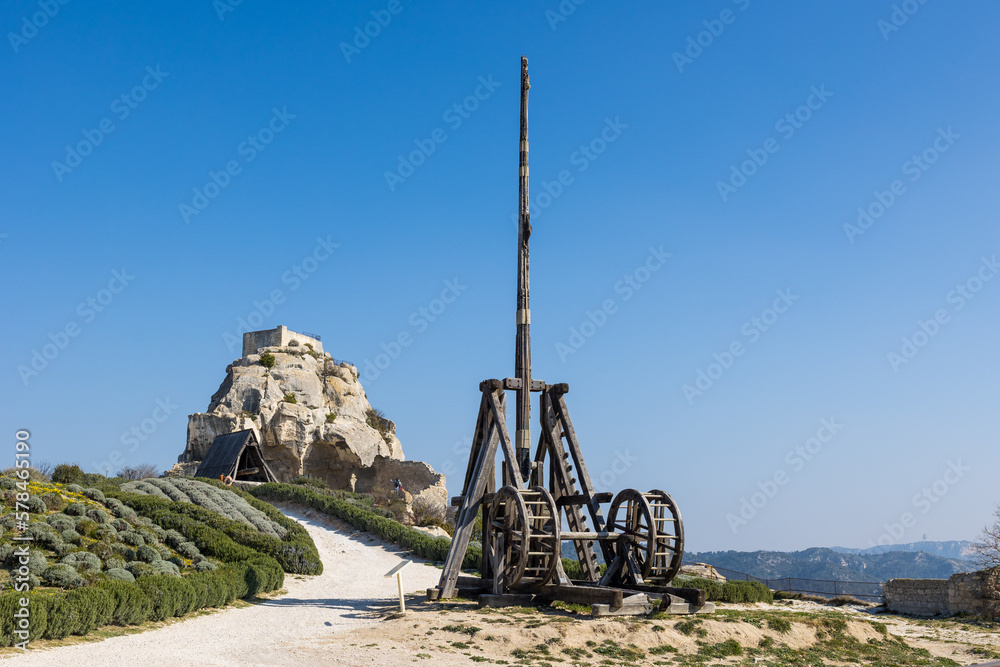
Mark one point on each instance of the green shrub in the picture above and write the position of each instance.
(331, 417)
(71, 536)
(8, 483)
(94, 607)
(267, 360)
(147, 554)
(67, 474)
(173, 538)
(187, 549)
(83, 561)
(36, 505)
(37, 617)
(98, 516)
(75, 509)
(37, 563)
(60, 522)
(139, 569)
(95, 494)
(85, 526)
(132, 606)
(169, 596)
(310, 481)
(205, 566)
(114, 563)
(53, 501)
(106, 533)
(119, 573)
(102, 550)
(290, 398)
(75, 488)
(132, 538)
(732, 591)
(62, 575)
(166, 567)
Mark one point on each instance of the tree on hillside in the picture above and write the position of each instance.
(135, 473)
(987, 547)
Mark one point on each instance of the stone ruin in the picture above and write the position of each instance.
(312, 417)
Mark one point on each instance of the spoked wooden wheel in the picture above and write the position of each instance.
(632, 516)
(669, 550)
(528, 522)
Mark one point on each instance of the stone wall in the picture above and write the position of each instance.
(970, 592)
(280, 337)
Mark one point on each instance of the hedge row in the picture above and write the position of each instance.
(55, 615)
(730, 591)
(421, 544)
(229, 540)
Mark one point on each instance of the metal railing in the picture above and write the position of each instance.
(864, 590)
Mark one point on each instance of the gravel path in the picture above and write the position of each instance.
(293, 628)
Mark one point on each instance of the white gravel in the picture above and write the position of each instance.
(289, 629)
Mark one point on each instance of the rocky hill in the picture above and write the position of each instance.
(956, 549)
(821, 563)
(312, 417)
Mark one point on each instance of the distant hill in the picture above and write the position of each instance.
(957, 549)
(822, 563)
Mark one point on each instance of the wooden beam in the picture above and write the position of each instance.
(577, 594)
(509, 455)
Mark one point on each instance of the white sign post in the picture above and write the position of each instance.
(398, 571)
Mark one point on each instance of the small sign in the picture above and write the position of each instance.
(397, 568)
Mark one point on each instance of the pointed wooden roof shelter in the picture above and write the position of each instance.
(237, 455)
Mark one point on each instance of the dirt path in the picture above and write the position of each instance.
(289, 629)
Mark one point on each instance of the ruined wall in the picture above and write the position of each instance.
(970, 592)
(280, 337)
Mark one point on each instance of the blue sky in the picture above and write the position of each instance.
(739, 138)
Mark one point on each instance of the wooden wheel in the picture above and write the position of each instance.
(669, 538)
(630, 515)
(528, 522)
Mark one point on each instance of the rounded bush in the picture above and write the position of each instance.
(95, 494)
(37, 563)
(66, 473)
(187, 549)
(121, 525)
(53, 501)
(147, 554)
(106, 533)
(102, 550)
(60, 522)
(148, 536)
(132, 538)
(164, 552)
(75, 488)
(6, 551)
(62, 575)
(71, 536)
(205, 566)
(84, 561)
(166, 567)
(126, 553)
(114, 563)
(179, 562)
(63, 618)
(36, 505)
(7, 522)
(75, 509)
(139, 569)
(7, 483)
(94, 607)
(173, 538)
(119, 573)
(85, 526)
(98, 515)
(158, 531)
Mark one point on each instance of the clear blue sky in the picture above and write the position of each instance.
(646, 137)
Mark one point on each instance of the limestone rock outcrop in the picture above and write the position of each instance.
(312, 417)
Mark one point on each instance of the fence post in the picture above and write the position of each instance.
(834, 589)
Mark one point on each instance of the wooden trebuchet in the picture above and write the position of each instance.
(642, 540)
